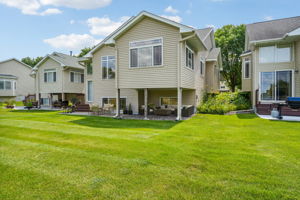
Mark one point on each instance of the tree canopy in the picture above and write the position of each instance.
(31, 61)
(231, 40)
(84, 51)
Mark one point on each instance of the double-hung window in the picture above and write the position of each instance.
(168, 101)
(276, 85)
(89, 91)
(5, 85)
(246, 68)
(50, 76)
(108, 64)
(189, 58)
(146, 53)
(113, 102)
(275, 54)
(76, 77)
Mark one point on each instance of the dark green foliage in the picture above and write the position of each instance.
(224, 102)
(231, 40)
(31, 61)
(84, 51)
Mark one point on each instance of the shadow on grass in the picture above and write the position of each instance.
(107, 122)
(33, 111)
(247, 116)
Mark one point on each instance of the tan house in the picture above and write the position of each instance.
(15, 80)
(58, 77)
(271, 63)
(154, 61)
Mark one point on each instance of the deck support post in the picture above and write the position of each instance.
(146, 104)
(62, 96)
(179, 103)
(118, 115)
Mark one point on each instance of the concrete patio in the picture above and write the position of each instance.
(284, 118)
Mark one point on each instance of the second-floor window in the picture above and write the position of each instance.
(275, 54)
(108, 67)
(189, 58)
(202, 67)
(146, 53)
(247, 68)
(49, 76)
(76, 77)
(5, 85)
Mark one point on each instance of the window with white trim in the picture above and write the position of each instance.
(50, 76)
(246, 68)
(76, 77)
(168, 101)
(276, 85)
(108, 64)
(202, 67)
(5, 85)
(146, 53)
(113, 102)
(275, 54)
(189, 58)
(89, 91)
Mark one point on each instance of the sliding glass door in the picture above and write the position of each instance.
(276, 86)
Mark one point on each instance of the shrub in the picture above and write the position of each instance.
(224, 102)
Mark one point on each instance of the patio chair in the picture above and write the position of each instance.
(108, 109)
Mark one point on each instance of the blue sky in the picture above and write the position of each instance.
(38, 27)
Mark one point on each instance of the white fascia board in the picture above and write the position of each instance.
(295, 32)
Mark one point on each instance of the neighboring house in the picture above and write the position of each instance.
(15, 80)
(223, 84)
(152, 60)
(58, 77)
(271, 63)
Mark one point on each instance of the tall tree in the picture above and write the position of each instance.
(231, 40)
(84, 51)
(31, 61)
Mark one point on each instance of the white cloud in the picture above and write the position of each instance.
(170, 9)
(72, 41)
(173, 18)
(104, 26)
(33, 7)
(78, 4)
(50, 11)
(267, 18)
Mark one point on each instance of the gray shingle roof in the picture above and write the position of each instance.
(202, 33)
(67, 60)
(213, 54)
(272, 29)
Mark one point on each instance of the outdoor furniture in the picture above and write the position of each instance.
(108, 108)
(163, 112)
(293, 102)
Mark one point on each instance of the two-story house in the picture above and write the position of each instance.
(271, 63)
(153, 60)
(15, 80)
(58, 77)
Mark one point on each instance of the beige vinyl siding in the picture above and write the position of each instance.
(24, 82)
(212, 80)
(297, 75)
(247, 83)
(259, 67)
(103, 88)
(149, 77)
(154, 95)
(55, 87)
(72, 87)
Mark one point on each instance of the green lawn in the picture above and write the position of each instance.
(46, 155)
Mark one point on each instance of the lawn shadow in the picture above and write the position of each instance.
(247, 116)
(108, 122)
(33, 111)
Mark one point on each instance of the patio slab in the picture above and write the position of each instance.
(284, 118)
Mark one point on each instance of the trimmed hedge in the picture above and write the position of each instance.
(221, 103)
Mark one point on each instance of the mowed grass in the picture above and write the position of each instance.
(46, 155)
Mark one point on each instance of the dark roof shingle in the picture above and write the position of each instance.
(272, 29)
